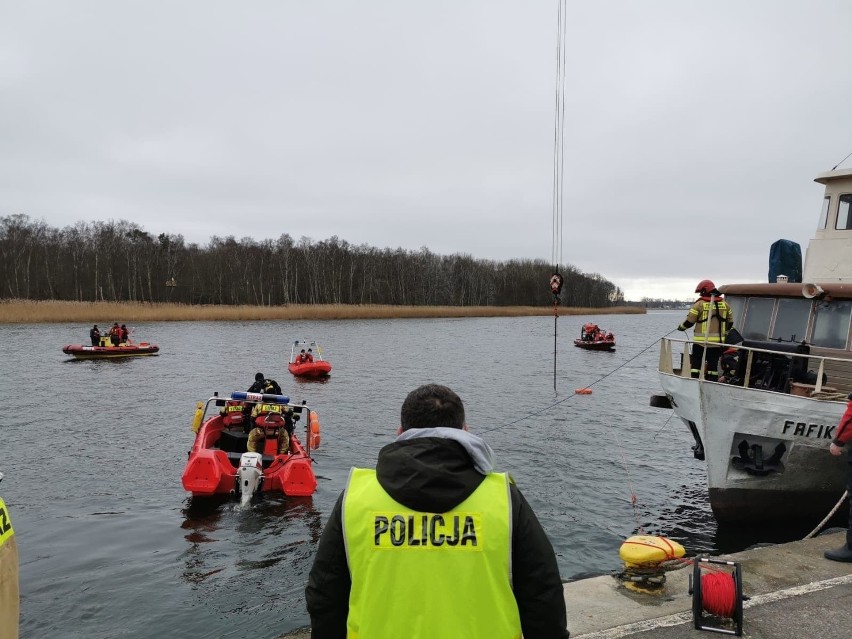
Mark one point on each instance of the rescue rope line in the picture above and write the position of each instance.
(719, 594)
(557, 402)
(828, 516)
(666, 423)
(634, 500)
(540, 411)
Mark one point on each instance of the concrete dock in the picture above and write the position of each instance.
(794, 593)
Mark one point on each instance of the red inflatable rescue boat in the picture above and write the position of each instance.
(306, 360)
(106, 349)
(221, 463)
(594, 338)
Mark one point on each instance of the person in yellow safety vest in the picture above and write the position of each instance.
(9, 589)
(712, 317)
(434, 543)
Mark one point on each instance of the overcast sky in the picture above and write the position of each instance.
(693, 130)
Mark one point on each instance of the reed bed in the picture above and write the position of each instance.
(31, 312)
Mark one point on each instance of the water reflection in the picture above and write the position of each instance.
(244, 542)
(308, 381)
(97, 363)
(689, 520)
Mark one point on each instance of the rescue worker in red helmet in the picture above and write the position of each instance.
(713, 318)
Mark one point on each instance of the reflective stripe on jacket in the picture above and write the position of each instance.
(436, 575)
(712, 320)
(9, 590)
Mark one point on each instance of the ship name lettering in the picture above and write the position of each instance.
(803, 429)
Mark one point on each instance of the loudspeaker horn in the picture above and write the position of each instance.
(811, 291)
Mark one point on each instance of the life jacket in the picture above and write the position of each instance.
(459, 560)
(272, 432)
(264, 409)
(233, 413)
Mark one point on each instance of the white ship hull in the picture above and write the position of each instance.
(764, 428)
(766, 452)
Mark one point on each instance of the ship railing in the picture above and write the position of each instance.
(672, 349)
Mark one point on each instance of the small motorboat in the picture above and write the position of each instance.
(594, 338)
(106, 349)
(306, 360)
(220, 463)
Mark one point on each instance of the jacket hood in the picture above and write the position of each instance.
(433, 469)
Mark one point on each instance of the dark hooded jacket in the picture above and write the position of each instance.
(435, 474)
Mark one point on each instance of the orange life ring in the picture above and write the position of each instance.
(314, 431)
(583, 391)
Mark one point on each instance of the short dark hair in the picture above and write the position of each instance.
(432, 406)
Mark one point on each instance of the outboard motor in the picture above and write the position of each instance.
(249, 476)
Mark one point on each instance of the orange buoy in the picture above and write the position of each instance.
(314, 436)
(583, 391)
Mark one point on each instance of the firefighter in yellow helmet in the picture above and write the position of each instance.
(460, 551)
(270, 420)
(713, 318)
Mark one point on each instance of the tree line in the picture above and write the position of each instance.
(118, 261)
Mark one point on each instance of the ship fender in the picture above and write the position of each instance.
(199, 414)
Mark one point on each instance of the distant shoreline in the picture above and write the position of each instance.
(45, 312)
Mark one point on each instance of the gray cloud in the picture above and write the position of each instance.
(692, 131)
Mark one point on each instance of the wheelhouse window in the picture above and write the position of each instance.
(831, 324)
(737, 305)
(844, 220)
(791, 320)
(823, 216)
(757, 316)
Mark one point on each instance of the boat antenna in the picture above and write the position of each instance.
(556, 279)
(841, 162)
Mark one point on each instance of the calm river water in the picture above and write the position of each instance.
(112, 546)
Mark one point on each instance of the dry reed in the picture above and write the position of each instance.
(32, 312)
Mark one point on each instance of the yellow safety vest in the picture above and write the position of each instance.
(9, 590)
(436, 575)
(710, 327)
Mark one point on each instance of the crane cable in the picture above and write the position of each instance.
(556, 279)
